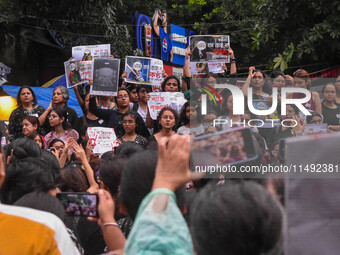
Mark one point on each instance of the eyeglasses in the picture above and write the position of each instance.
(329, 92)
(53, 116)
(258, 77)
(121, 97)
(143, 91)
(59, 147)
(128, 121)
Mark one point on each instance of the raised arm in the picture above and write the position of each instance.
(155, 21)
(247, 83)
(43, 116)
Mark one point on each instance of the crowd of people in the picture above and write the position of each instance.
(149, 200)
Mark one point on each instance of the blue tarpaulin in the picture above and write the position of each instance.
(44, 96)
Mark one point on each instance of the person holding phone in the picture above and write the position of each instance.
(27, 106)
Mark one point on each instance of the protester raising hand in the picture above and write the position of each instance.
(173, 163)
(113, 235)
(81, 156)
(300, 126)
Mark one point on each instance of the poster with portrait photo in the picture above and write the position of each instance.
(209, 48)
(90, 52)
(77, 72)
(142, 70)
(105, 73)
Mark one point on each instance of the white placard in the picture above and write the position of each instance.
(103, 139)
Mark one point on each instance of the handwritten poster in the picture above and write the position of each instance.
(157, 102)
(103, 139)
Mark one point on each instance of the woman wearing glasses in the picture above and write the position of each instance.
(61, 128)
(115, 116)
(131, 129)
(330, 111)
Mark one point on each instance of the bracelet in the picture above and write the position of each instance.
(110, 224)
(233, 60)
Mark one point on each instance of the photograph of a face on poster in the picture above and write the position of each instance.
(105, 77)
(209, 48)
(90, 52)
(77, 72)
(142, 70)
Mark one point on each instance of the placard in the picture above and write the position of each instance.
(157, 102)
(77, 72)
(316, 129)
(209, 48)
(90, 52)
(144, 70)
(105, 73)
(103, 139)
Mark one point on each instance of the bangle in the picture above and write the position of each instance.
(110, 224)
(233, 60)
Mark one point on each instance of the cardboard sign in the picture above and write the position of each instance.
(77, 72)
(105, 73)
(103, 139)
(316, 129)
(157, 102)
(144, 70)
(209, 48)
(90, 52)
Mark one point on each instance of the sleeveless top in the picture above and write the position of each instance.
(310, 105)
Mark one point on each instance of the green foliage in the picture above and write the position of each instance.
(273, 32)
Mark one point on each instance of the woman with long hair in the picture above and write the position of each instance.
(131, 129)
(61, 129)
(190, 119)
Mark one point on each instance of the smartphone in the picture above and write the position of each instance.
(79, 204)
(235, 146)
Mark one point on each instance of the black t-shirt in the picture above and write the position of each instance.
(331, 116)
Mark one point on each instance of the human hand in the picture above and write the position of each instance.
(78, 151)
(172, 169)
(55, 152)
(231, 52)
(251, 71)
(106, 208)
(187, 53)
(300, 127)
(111, 56)
(50, 107)
(164, 74)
